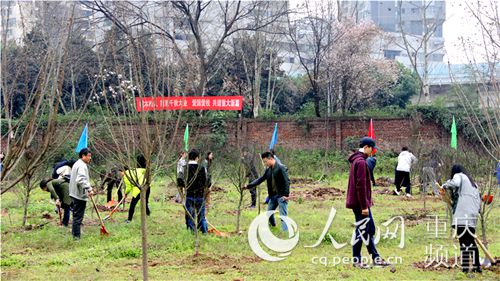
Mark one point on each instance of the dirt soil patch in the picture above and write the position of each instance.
(416, 216)
(47, 216)
(301, 181)
(215, 264)
(384, 182)
(319, 194)
(217, 189)
(383, 191)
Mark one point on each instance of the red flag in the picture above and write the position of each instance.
(371, 134)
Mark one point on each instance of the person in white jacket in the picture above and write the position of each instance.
(405, 160)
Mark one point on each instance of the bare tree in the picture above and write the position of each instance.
(196, 30)
(483, 116)
(40, 87)
(135, 132)
(417, 43)
(355, 75)
(316, 31)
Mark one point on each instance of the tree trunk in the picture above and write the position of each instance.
(73, 91)
(269, 97)
(25, 211)
(144, 234)
(196, 234)
(238, 216)
(258, 199)
(256, 82)
(316, 103)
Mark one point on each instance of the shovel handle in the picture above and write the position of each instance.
(486, 252)
(96, 210)
(114, 209)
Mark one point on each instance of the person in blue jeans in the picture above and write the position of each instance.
(498, 173)
(196, 192)
(278, 187)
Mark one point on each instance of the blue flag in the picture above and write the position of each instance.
(83, 142)
(274, 139)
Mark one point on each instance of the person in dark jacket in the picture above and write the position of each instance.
(278, 187)
(196, 191)
(371, 162)
(250, 173)
(359, 199)
(59, 191)
(111, 179)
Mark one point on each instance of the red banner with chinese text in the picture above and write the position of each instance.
(189, 103)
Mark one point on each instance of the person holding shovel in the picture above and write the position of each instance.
(111, 179)
(465, 203)
(278, 187)
(134, 181)
(406, 160)
(80, 189)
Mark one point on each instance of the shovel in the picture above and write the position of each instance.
(114, 209)
(215, 230)
(103, 229)
(489, 259)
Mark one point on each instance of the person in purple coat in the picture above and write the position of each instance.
(359, 199)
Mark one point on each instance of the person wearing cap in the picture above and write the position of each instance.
(80, 189)
(402, 178)
(359, 199)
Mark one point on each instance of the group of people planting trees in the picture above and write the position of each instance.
(70, 187)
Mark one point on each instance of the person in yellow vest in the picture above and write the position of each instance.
(134, 179)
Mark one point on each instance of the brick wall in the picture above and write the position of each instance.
(391, 133)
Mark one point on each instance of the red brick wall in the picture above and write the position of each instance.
(391, 133)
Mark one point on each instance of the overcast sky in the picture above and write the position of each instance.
(459, 23)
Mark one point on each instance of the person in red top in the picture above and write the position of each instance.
(359, 199)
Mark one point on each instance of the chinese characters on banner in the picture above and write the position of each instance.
(189, 103)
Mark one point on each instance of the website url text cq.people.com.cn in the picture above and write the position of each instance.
(334, 260)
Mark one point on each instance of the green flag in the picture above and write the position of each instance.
(186, 138)
(453, 134)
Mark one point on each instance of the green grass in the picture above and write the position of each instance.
(50, 253)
